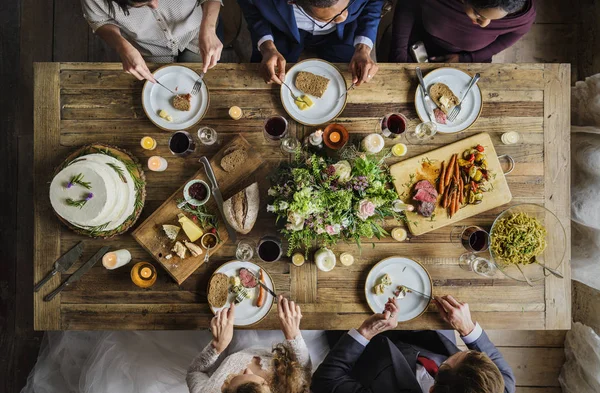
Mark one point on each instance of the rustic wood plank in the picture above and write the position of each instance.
(557, 164)
(304, 283)
(46, 122)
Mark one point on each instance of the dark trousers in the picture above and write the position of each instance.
(327, 47)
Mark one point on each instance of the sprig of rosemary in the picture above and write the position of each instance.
(78, 179)
(81, 202)
(119, 171)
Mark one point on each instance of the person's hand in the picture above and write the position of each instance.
(451, 58)
(455, 313)
(362, 67)
(221, 327)
(272, 67)
(210, 48)
(134, 64)
(289, 318)
(378, 323)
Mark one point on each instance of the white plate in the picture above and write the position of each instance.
(326, 108)
(403, 271)
(246, 313)
(457, 81)
(155, 98)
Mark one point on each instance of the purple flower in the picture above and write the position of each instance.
(89, 196)
(69, 184)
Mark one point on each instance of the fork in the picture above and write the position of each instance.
(291, 91)
(347, 90)
(456, 110)
(197, 85)
(241, 295)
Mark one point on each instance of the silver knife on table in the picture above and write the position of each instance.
(77, 275)
(263, 285)
(429, 105)
(62, 264)
(218, 196)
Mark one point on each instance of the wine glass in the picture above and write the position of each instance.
(207, 136)
(422, 133)
(469, 261)
(393, 125)
(473, 238)
(289, 144)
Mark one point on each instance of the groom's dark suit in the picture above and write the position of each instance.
(389, 364)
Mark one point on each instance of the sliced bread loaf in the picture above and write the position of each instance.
(312, 84)
(241, 210)
(217, 290)
(443, 97)
(233, 159)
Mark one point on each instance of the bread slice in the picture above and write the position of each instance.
(443, 97)
(312, 84)
(182, 102)
(241, 210)
(217, 290)
(233, 160)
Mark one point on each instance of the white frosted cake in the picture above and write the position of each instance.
(94, 191)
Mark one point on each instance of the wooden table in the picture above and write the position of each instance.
(81, 103)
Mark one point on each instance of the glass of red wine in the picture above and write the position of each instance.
(181, 144)
(269, 249)
(472, 238)
(393, 125)
(275, 128)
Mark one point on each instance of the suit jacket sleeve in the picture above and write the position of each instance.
(402, 26)
(368, 21)
(483, 344)
(333, 375)
(257, 24)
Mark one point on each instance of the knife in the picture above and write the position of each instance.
(263, 285)
(218, 196)
(429, 105)
(158, 82)
(77, 275)
(417, 292)
(62, 264)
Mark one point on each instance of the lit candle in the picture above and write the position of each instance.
(157, 164)
(145, 272)
(510, 138)
(335, 137)
(148, 143)
(236, 112)
(373, 143)
(346, 259)
(115, 259)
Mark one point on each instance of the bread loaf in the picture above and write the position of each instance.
(217, 290)
(234, 159)
(443, 97)
(241, 209)
(312, 84)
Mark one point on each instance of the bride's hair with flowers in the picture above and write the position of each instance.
(288, 375)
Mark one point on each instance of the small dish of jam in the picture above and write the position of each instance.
(196, 192)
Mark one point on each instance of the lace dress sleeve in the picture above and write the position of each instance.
(197, 375)
(298, 346)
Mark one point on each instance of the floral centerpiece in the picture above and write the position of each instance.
(326, 201)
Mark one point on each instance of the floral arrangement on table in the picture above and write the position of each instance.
(325, 201)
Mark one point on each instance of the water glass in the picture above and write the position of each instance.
(207, 136)
(245, 250)
(469, 261)
(290, 144)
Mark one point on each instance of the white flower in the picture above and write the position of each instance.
(376, 184)
(272, 192)
(283, 205)
(320, 231)
(295, 222)
(345, 222)
(271, 208)
(343, 170)
(366, 209)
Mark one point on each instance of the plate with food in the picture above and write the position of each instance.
(445, 87)
(237, 282)
(524, 236)
(318, 85)
(398, 277)
(174, 112)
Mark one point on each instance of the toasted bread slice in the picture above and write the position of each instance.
(443, 97)
(312, 84)
(217, 290)
(182, 102)
(233, 160)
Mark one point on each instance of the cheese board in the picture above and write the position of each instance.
(153, 238)
(428, 167)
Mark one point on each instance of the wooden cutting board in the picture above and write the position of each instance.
(427, 167)
(150, 234)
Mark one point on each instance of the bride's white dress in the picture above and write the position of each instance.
(138, 362)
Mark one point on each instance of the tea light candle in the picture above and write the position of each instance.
(373, 143)
(236, 112)
(148, 143)
(115, 259)
(335, 137)
(145, 272)
(510, 138)
(157, 164)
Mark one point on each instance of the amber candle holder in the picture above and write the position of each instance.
(335, 136)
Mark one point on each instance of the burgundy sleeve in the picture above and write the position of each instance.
(502, 42)
(402, 25)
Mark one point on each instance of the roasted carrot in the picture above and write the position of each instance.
(461, 191)
(456, 171)
(448, 171)
(446, 198)
(441, 180)
(261, 294)
(456, 203)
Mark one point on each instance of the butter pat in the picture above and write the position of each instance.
(192, 231)
(303, 102)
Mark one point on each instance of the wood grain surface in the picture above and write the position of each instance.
(82, 103)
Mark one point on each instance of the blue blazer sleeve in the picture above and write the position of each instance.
(484, 344)
(333, 375)
(258, 26)
(368, 21)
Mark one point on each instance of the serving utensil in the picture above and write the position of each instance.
(417, 292)
(555, 273)
(77, 275)
(456, 110)
(216, 192)
(347, 90)
(197, 85)
(524, 276)
(62, 264)
(427, 102)
(165, 87)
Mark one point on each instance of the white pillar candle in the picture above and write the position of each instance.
(115, 259)
(157, 164)
(373, 143)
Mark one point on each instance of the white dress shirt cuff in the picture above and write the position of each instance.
(473, 336)
(264, 39)
(360, 39)
(358, 337)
